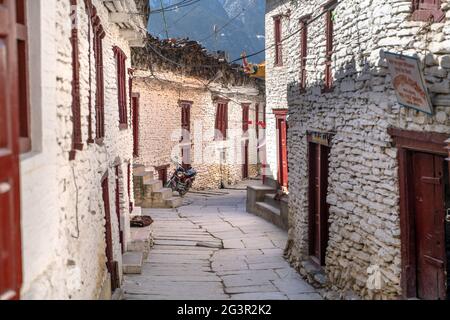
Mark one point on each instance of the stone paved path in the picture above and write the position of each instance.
(213, 249)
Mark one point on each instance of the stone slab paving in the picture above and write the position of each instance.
(213, 249)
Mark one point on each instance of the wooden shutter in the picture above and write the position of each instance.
(278, 41)
(186, 116)
(10, 240)
(222, 120)
(77, 143)
(121, 86)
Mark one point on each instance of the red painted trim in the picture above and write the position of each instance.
(77, 143)
(136, 110)
(10, 148)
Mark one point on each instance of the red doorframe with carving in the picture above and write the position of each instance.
(282, 152)
(10, 238)
(421, 158)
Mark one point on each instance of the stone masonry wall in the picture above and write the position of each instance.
(73, 242)
(363, 192)
(160, 126)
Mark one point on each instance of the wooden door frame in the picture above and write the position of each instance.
(9, 160)
(245, 127)
(117, 200)
(320, 140)
(135, 122)
(111, 264)
(407, 142)
(163, 167)
(281, 114)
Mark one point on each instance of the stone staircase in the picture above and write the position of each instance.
(261, 201)
(150, 193)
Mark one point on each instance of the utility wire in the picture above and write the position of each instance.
(164, 18)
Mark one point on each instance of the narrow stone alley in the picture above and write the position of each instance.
(213, 249)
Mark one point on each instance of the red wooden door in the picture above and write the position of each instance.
(318, 208)
(118, 208)
(10, 240)
(111, 265)
(135, 106)
(162, 173)
(186, 126)
(429, 214)
(245, 124)
(283, 170)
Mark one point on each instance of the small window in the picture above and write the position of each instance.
(427, 10)
(329, 38)
(121, 87)
(303, 51)
(221, 121)
(278, 41)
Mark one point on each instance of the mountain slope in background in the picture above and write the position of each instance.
(244, 30)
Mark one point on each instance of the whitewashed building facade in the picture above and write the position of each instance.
(368, 178)
(69, 129)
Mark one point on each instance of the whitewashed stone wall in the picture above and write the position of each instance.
(160, 125)
(363, 184)
(63, 219)
(277, 77)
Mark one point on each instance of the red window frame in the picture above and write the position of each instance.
(329, 35)
(221, 125)
(77, 143)
(303, 51)
(99, 35)
(121, 59)
(278, 27)
(427, 10)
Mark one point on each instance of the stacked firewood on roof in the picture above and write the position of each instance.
(189, 58)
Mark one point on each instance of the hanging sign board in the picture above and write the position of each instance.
(408, 82)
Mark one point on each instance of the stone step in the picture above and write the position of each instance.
(174, 202)
(162, 195)
(270, 199)
(132, 262)
(268, 209)
(141, 240)
(155, 185)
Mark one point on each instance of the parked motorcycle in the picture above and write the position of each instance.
(182, 180)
